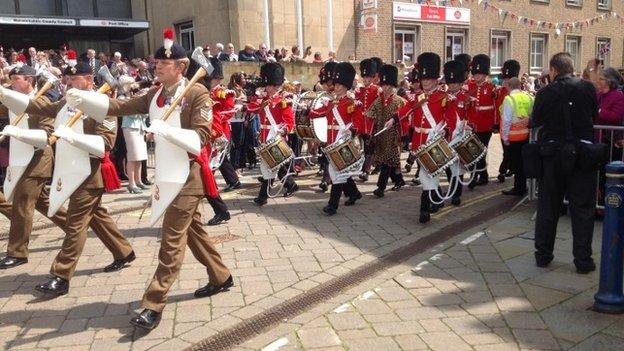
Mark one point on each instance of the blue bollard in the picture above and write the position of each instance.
(610, 298)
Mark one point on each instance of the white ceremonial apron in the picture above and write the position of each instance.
(72, 165)
(172, 162)
(20, 155)
(457, 168)
(264, 169)
(429, 182)
(335, 176)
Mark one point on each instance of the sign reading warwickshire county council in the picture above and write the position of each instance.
(424, 13)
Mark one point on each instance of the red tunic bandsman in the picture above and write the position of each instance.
(366, 95)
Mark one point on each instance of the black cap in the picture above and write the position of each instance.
(326, 72)
(389, 75)
(511, 68)
(344, 74)
(480, 64)
(368, 68)
(24, 70)
(175, 53)
(465, 60)
(454, 72)
(271, 73)
(428, 65)
(80, 69)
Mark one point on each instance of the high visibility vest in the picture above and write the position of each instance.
(522, 104)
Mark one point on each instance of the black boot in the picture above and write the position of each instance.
(292, 190)
(352, 199)
(323, 186)
(211, 289)
(118, 265)
(10, 262)
(147, 319)
(231, 187)
(219, 218)
(56, 286)
(424, 217)
(330, 211)
(379, 193)
(456, 201)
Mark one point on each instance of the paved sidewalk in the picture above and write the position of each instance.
(481, 291)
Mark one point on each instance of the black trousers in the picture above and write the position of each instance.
(515, 165)
(580, 190)
(323, 162)
(455, 182)
(369, 151)
(349, 189)
(238, 143)
(218, 205)
(228, 172)
(425, 203)
(264, 184)
(484, 137)
(386, 172)
(144, 179)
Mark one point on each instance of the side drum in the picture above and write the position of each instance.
(275, 153)
(343, 154)
(470, 150)
(436, 156)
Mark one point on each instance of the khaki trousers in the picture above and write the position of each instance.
(181, 226)
(84, 208)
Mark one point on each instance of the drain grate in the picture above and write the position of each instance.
(262, 322)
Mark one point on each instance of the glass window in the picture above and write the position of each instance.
(538, 52)
(499, 49)
(78, 8)
(7, 7)
(186, 33)
(573, 47)
(455, 43)
(604, 4)
(114, 8)
(37, 7)
(574, 2)
(406, 44)
(603, 50)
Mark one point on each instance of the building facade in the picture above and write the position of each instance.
(405, 29)
(105, 25)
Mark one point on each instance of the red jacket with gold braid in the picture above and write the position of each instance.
(501, 92)
(350, 111)
(436, 102)
(366, 96)
(456, 106)
(482, 111)
(223, 108)
(281, 110)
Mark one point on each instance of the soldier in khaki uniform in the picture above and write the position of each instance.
(182, 221)
(85, 201)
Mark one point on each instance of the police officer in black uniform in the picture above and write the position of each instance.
(563, 169)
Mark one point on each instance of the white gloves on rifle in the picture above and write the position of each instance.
(93, 144)
(184, 138)
(35, 137)
(92, 103)
(13, 100)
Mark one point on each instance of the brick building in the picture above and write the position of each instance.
(405, 29)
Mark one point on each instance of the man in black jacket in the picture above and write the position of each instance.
(578, 183)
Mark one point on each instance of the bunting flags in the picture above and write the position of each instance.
(539, 24)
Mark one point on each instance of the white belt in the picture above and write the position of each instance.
(333, 128)
(423, 130)
(485, 108)
(265, 126)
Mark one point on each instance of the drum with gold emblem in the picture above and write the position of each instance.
(436, 155)
(469, 149)
(275, 153)
(345, 154)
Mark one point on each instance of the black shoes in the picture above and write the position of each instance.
(260, 201)
(379, 193)
(514, 192)
(231, 187)
(219, 218)
(542, 261)
(408, 167)
(364, 177)
(323, 186)
(118, 265)
(398, 185)
(585, 267)
(424, 217)
(435, 208)
(353, 199)
(330, 211)
(416, 181)
(290, 192)
(10, 262)
(456, 201)
(501, 178)
(55, 286)
(147, 319)
(211, 289)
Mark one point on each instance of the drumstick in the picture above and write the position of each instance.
(381, 131)
(105, 88)
(44, 89)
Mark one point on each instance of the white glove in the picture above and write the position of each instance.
(11, 131)
(159, 127)
(65, 133)
(93, 104)
(13, 100)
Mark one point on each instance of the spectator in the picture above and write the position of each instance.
(103, 58)
(118, 68)
(277, 55)
(317, 57)
(219, 51)
(283, 54)
(229, 55)
(307, 54)
(93, 62)
(248, 54)
(31, 60)
(295, 55)
(43, 61)
(262, 53)
(206, 51)
(144, 76)
(237, 83)
(133, 128)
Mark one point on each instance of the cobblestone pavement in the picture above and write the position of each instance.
(288, 247)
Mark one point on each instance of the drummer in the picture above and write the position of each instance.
(341, 113)
(366, 95)
(327, 84)
(279, 121)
